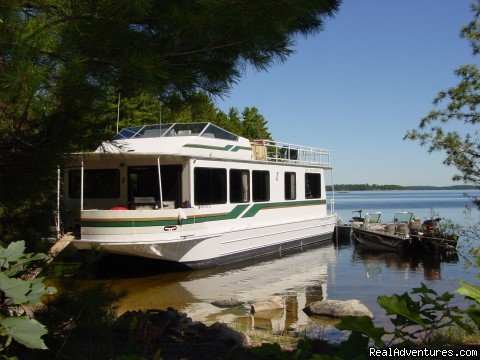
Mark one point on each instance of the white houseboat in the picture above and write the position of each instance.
(196, 194)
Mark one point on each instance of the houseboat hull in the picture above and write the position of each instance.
(206, 248)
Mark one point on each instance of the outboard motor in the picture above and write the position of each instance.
(430, 225)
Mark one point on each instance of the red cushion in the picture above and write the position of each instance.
(119, 208)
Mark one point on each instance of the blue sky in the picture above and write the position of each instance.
(359, 85)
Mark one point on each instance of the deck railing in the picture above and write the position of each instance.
(275, 151)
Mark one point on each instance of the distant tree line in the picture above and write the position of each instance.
(371, 187)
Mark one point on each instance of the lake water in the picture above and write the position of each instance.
(331, 271)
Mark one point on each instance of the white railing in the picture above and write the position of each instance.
(268, 150)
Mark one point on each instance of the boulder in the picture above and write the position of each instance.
(338, 308)
(275, 302)
(227, 303)
(232, 337)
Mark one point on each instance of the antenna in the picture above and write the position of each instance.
(118, 111)
(160, 117)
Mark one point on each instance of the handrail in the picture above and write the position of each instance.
(276, 151)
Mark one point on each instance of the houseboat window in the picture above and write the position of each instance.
(290, 186)
(260, 185)
(100, 183)
(239, 186)
(312, 186)
(186, 129)
(152, 131)
(213, 131)
(143, 182)
(127, 133)
(210, 186)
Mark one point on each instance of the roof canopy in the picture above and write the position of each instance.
(178, 129)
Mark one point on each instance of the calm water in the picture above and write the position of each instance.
(331, 271)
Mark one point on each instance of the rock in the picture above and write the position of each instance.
(164, 319)
(155, 331)
(338, 308)
(216, 326)
(275, 302)
(232, 337)
(227, 303)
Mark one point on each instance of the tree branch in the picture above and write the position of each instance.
(217, 47)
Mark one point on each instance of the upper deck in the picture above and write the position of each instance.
(211, 141)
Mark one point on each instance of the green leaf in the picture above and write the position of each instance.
(13, 252)
(424, 289)
(355, 347)
(446, 297)
(461, 323)
(363, 325)
(16, 289)
(474, 314)
(397, 305)
(19, 266)
(469, 290)
(269, 350)
(26, 331)
(38, 290)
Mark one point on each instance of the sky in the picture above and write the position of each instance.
(358, 86)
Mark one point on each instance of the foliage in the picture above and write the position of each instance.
(416, 318)
(303, 351)
(414, 321)
(462, 105)
(198, 107)
(82, 318)
(16, 292)
(60, 59)
(472, 292)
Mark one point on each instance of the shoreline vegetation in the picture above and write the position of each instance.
(376, 187)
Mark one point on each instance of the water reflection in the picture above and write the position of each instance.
(298, 279)
(337, 270)
(376, 262)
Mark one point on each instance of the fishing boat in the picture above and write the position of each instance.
(405, 231)
(196, 194)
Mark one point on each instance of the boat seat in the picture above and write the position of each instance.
(375, 226)
(402, 230)
(415, 223)
(390, 228)
(151, 133)
(143, 203)
(184, 132)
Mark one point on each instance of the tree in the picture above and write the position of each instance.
(199, 107)
(59, 60)
(254, 124)
(461, 104)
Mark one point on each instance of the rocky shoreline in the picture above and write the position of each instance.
(177, 336)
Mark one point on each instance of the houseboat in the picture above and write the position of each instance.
(196, 194)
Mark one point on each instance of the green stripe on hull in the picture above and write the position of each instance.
(209, 147)
(231, 148)
(257, 207)
(237, 210)
(235, 213)
(236, 148)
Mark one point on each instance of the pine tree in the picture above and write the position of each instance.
(60, 60)
(254, 124)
